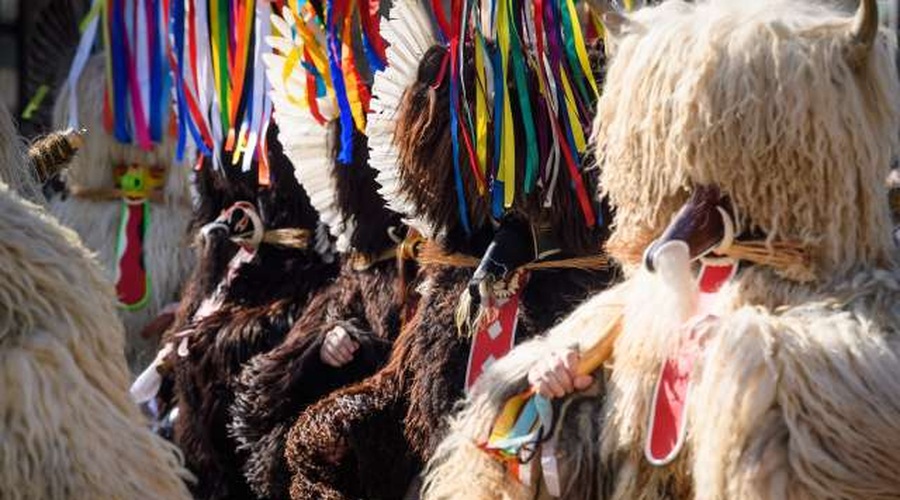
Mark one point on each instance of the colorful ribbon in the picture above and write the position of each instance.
(532, 77)
(328, 65)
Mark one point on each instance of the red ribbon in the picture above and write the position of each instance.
(371, 22)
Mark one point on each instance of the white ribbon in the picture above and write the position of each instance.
(146, 386)
(141, 54)
(256, 131)
(550, 467)
(81, 57)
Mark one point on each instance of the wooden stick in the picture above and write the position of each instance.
(593, 358)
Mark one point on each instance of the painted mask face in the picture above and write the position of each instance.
(243, 224)
(139, 182)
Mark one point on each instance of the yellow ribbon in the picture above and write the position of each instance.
(580, 49)
(577, 132)
(481, 113)
(306, 41)
(290, 63)
(507, 170)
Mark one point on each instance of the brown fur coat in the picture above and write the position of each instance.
(259, 305)
(276, 386)
(369, 440)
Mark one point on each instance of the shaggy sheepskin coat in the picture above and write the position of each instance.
(166, 246)
(368, 303)
(796, 392)
(259, 304)
(69, 428)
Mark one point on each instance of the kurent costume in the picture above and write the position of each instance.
(69, 429)
(126, 194)
(752, 140)
(370, 295)
(272, 270)
(519, 204)
(258, 268)
(263, 256)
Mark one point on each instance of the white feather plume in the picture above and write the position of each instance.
(306, 142)
(410, 34)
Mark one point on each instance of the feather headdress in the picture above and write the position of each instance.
(515, 90)
(320, 72)
(409, 35)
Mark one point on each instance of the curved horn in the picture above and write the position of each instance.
(865, 27)
(52, 153)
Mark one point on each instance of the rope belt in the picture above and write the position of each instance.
(360, 261)
(430, 253)
(288, 237)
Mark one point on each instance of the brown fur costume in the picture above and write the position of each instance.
(796, 393)
(367, 302)
(69, 428)
(369, 440)
(258, 307)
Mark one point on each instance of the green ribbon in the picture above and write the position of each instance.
(531, 155)
(571, 52)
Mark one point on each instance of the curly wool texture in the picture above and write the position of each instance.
(370, 439)
(166, 245)
(69, 428)
(803, 376)
(15, 170)
(772, 111)
(204, 385)
(275, 387)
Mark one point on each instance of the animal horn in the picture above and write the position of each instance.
(50, 154)
(865, 27)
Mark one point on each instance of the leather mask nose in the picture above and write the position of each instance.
(702, 224)
(512, 247)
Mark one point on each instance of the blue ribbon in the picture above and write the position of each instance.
(334, 62)
(457, 173)
(156, 75)
(375, 63)
(499, 95)
(183, 115)
(119, 75)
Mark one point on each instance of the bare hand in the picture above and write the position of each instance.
(554, 376)
(338, 348)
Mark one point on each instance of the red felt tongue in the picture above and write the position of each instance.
(496, 336)
(668, 414)
(132, 285)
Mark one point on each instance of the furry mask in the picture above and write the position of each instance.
(800, 149)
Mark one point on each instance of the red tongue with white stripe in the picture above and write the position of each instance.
(668, 415)
(132, 280)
